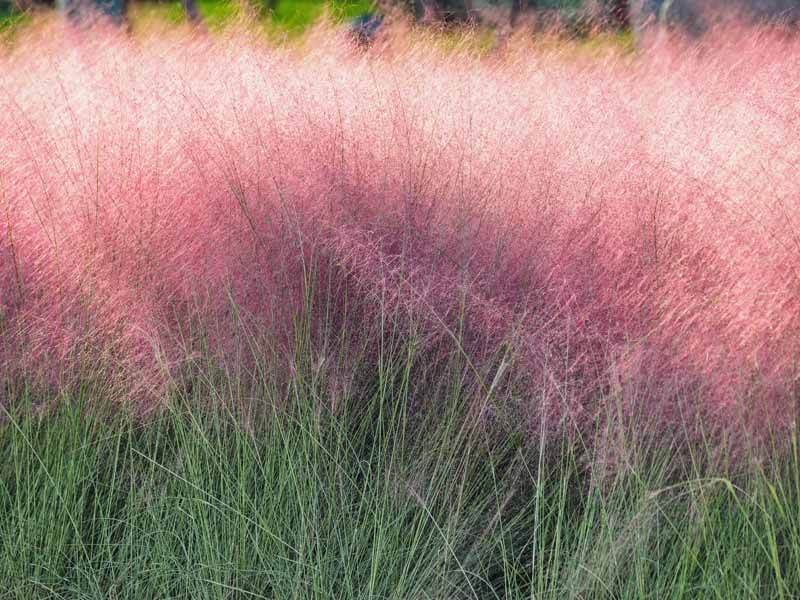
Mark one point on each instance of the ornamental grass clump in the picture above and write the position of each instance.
(578, 230)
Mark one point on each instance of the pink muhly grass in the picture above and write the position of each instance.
(626, 227)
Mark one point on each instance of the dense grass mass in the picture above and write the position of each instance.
(368, 503)
(620, 227)
(425, 320)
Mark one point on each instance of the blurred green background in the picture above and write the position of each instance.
(288, 16)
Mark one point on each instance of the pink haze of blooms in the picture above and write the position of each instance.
(628, 225)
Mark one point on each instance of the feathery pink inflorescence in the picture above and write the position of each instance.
(628, 224)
